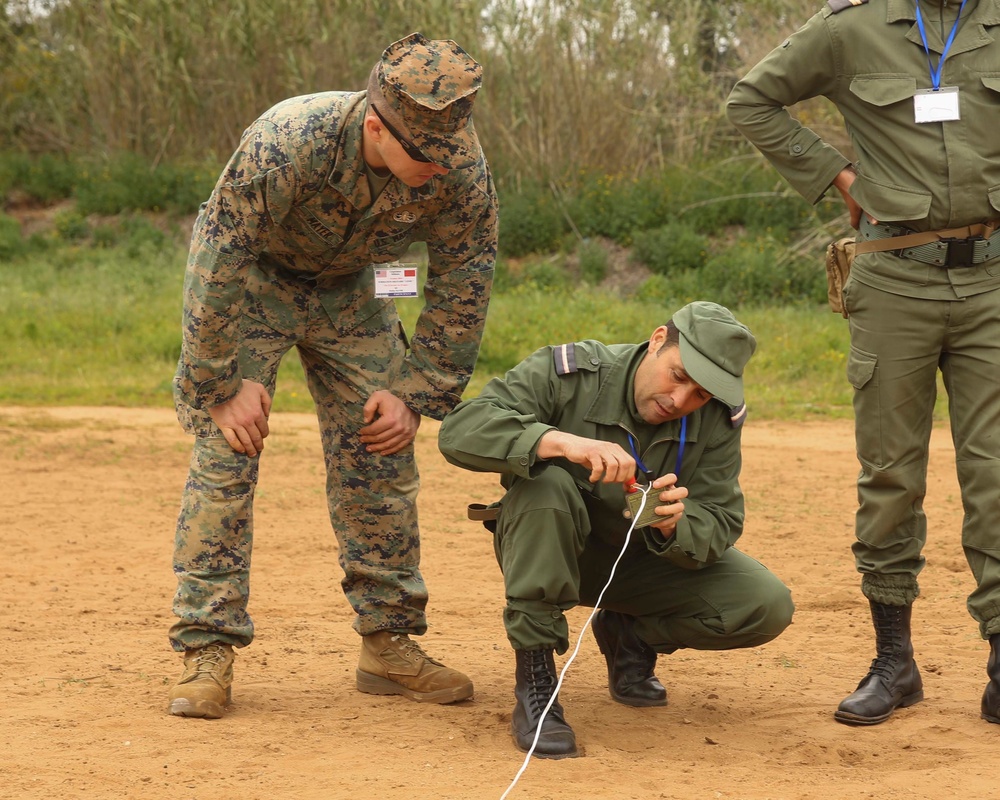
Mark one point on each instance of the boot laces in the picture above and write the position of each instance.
(540, 679)
(411, 650)
(208, 658)
(884, 666)
(888, 644)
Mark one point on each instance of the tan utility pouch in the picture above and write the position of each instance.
(839, 255)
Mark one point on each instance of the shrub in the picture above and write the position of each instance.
(744, 192)
(119, 184)
(614, 207)
(126, 182)
(141, 237)
(753, 271)
(530, 222)
(104, 236)
(593, 261)
(545, 275)
(761, 271)
(42, 179)
(123, 182)
(670, 248)
(11, 242)
(70, 225)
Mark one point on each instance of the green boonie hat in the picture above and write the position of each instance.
(425, 89)
(715, 347)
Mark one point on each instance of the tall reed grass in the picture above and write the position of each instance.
(614, 86)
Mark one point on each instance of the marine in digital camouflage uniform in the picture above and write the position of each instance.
(323, 188)
(566, 429)
(924, 290)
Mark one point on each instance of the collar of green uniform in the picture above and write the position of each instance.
(618, 385)
(983, 12)
(643, 431)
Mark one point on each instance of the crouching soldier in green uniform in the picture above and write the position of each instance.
(918, 86)
(323, 189)
(566, 429)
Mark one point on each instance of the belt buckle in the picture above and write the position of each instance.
(961, 252)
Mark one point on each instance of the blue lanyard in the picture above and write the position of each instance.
(680, 452)
(936, 73)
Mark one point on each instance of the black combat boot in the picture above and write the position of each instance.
(991, 697)
(536, 682)
(630, 661)
(893, 681)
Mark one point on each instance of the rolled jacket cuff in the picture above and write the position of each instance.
(222, 387)
(423, 397)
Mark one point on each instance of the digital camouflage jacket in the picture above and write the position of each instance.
(294, 202)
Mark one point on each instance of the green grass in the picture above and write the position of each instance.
(101, 326)
(89, 326)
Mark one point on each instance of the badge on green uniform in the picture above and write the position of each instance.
(936, 105)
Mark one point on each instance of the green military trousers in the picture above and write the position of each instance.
(897, 346)
(350, 344)
(551, 562)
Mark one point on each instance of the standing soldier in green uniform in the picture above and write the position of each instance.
(918, 86)
(323, 189)
(566, 429)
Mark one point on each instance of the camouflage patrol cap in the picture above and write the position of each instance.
(715, 347)
(425, 89)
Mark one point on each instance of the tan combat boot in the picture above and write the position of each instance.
(205, 687)
(391, 663)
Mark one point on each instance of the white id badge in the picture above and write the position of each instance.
(395, 281)
(940, 105)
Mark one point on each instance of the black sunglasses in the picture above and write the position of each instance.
(408, 147)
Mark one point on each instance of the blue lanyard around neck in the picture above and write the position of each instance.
(680, 453)
(936, 73)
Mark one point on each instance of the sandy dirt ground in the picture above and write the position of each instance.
(88, 499)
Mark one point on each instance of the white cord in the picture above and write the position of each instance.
(579, 641)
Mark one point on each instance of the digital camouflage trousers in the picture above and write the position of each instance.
(350, 345)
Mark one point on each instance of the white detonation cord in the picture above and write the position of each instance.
(579, 641)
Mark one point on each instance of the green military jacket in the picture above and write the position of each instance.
(869, 60)
(583, 390)
(294, 203)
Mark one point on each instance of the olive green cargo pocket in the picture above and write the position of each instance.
(994, 195)
(862, 376)
(890, 202)
(860, 367)
(991, 82)
(883, 200)
(883, 91)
